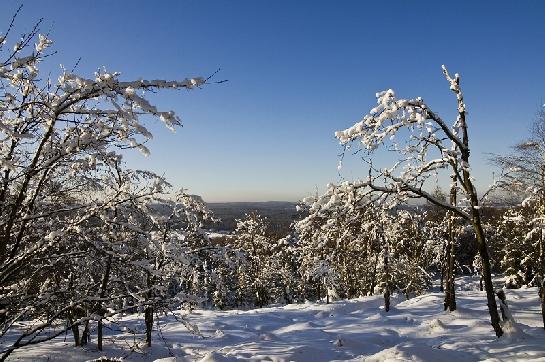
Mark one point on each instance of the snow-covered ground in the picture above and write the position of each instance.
(414, 330)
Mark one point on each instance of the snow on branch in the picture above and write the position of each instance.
(424, 142)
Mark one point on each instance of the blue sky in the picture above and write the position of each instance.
(298, 71)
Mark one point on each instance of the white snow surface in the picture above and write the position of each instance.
(357, 330)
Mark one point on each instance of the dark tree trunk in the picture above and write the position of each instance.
(85, 337)
(487, 276)
(100, 311)
(450, 296)
(543, 302)
(148, 318)
(387, 280)
(75, 332)
(503, 305)
(450, 301)
(374, 276)
(441, 288)
(99, 335)
(444, 264)
(475, 214)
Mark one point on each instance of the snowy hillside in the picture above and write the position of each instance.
(415, 330)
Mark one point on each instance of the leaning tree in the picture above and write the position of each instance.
(426, 145)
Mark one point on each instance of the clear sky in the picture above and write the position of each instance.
(298, 71)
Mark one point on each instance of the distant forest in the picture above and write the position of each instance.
(279, 214)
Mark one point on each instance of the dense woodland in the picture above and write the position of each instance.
(84, 239)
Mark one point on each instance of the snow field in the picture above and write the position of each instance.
(357, 330)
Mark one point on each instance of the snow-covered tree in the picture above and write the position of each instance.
(426, 145)
(524, 175)
(367, 247)
(517, 249)
(414, 254)
(330, 234)
(64, 196)
(283, 267)
(250, 237)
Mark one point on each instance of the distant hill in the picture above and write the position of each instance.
(280, 214)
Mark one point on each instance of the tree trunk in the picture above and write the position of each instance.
(387, 300)
(487, 276)
(374, 276)
(450, 301)
(505, 314)
(148, 318)
(75, 332)
(450, 296)
(483, 252)
(476, 222)
(99, 335)
(105, 279)
(444, 266)
(387, 280)
(441, 288)
(543, 302)
(85, 337)
(541, 257)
